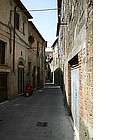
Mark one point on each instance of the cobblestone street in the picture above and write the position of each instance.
(41, 116)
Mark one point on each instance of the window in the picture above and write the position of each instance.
(23, 24)
(17, 21)
(2, 52)
(21, 63)
(37, 49)
(23, 28)
(30, 71)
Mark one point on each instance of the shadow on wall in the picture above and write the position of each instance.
(59, 81)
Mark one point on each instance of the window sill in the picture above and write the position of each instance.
(4, 68)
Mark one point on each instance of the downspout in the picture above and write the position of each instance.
(10, 28)
(43, 64)
(14, 32)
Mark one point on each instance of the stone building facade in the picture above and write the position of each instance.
(14, 48)
(48, 66)
(56, 63)
(75, 41)
(36, 57)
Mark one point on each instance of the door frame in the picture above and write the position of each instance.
(21, 84)
(75, 99)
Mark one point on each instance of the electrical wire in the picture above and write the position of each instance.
(41, 10)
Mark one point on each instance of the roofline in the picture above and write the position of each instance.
(54, 43)
(58, 28)
(59, 2)
(49, 52)
(32, 24)
(23, 8)
(58, 15)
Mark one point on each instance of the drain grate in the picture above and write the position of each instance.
(42, 124)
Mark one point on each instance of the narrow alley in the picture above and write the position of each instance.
(46, 42)
(41, 116)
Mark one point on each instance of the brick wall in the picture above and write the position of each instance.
(69, 87)
(80, 86)
(86, 80)
(89, 62)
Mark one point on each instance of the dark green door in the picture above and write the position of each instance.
(20, 80)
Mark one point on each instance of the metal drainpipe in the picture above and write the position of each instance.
(10, 27)
(14, 38)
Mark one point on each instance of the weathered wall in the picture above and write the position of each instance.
(77, 40)
(6, 35)
(21, 48)
(23, 52)
(37, 60)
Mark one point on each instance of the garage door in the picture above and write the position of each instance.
(3, 87)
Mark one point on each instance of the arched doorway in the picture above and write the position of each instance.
(21, 77)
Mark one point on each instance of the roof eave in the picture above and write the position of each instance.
(22, 7)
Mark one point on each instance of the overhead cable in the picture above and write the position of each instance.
(41, 10)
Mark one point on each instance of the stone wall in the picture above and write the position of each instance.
(23, 52)
(79, 42)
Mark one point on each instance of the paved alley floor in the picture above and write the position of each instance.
(41, 116)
